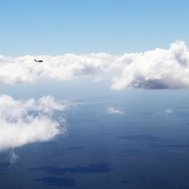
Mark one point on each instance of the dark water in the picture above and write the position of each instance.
(144, 148)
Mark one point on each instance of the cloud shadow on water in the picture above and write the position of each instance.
(138, 137)
(170, 145)
(57, 181)
(75, 148)
(57, 171)
(91, 168)
(124, 181)
(4, 164)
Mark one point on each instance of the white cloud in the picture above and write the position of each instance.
(23, 122)
(113, 110)
(26, 70)
(155, 69)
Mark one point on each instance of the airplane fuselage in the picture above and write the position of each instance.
(38, 60)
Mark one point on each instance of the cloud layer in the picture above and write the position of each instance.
(66, 67)
(155, 69)
(23, 122)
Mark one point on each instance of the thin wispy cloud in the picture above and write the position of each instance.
(113, 110)
(13, 156)
(29, 121)
(165, 112)
(155, 69)
(168, 111)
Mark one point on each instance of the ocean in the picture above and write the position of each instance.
(136, 139)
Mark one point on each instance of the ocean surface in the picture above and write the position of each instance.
(142, 145)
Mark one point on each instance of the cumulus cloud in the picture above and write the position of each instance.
(155, 69)
(113, 110)
(25, 69)
(33, 120)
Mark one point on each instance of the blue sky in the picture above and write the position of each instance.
(82, 26)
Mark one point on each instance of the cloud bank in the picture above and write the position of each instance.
(34, 120)
(26, 70)
(155, 69)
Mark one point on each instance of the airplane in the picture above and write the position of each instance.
(38, 60)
